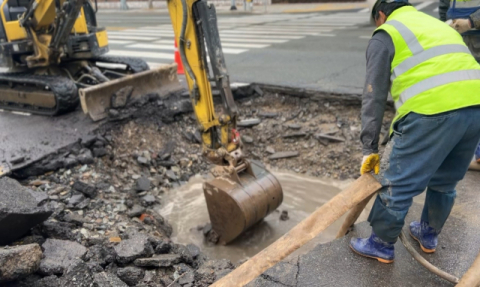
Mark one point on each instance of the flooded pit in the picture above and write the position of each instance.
(185, 209)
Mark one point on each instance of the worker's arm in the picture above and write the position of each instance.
(380, 54)
(475, 19)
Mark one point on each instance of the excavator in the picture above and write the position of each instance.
(242, 192)
(56, 58)
(55, 55)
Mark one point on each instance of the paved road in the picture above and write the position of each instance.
(322, 50)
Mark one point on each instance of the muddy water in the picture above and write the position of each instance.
(185, 209)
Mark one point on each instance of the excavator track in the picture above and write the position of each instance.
(50, 95)
(38, 94)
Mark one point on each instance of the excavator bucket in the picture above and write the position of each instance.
(96, 100)
(238, 200)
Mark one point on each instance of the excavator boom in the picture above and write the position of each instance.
(242, 192)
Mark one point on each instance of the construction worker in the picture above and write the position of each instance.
(435, 82)
(465, 16)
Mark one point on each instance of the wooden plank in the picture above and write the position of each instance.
(305, 231)
(352, 217)
(472, 277)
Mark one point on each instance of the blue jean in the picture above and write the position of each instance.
(429, 152)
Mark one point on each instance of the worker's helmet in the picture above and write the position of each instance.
(373, 5)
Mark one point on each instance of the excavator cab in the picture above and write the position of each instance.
(242, 192)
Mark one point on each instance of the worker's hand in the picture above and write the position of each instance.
(461, 25)
(370, 162)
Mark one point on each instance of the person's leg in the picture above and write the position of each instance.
(443, 6)
(441, 192)
(420, 145)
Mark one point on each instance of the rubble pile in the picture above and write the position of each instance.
(103, 193)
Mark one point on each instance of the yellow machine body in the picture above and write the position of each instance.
(242, 192)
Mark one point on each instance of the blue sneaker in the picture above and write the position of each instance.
(425, 235)
(374, 247)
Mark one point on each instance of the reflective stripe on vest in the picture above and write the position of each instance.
(436, 81)
(419, 54)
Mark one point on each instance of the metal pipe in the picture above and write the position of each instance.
(435, 270)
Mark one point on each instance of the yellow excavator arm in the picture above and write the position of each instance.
(242, 192)
(217, 131)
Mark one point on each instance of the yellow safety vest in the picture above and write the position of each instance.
(432, 70)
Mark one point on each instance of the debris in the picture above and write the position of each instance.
(264, 114)
(87, 189)
(162, 260)
(131, 275)
(270, 150)
(99, 152)
(19, 210)
(78, 275)
(284, 154)
(294, 135)
(143, 184)
(19, 261)
(131, 249)
(327, 137)
(293, 126)
(248, 123)
(284, 216)
(59, 255)
(247, 139)
(136, 211)
(106, 279)
(115, 239)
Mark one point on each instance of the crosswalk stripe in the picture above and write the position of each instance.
(423, 5)
(141, 54)
(246, 40)
(171, 47)
(224, 44)
(266, 31)
(136, 34)
(279, 31)
(263, 37)
(287, 30)
(118, 42)
(119, 37)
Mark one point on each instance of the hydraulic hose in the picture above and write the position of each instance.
(435, 270)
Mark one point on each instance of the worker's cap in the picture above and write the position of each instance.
(378, 2)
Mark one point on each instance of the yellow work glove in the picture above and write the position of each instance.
(370, 162)
(461, 25)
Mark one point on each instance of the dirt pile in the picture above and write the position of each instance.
(106, 190)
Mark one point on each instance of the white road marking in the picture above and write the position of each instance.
(118, 42)
(364, 10)
(118, 37)
(171, 47)
(141, 54)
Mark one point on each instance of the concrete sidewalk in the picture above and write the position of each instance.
(334, 264)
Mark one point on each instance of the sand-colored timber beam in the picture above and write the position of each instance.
(353, 216)
(305, 231)
(472, 277)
